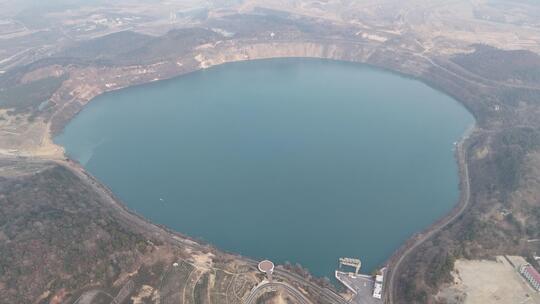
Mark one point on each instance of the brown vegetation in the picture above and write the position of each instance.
(60, 241)
(51, 216)
(503, 210)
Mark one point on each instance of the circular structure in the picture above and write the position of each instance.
(266, 266)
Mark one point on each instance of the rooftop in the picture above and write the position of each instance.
(533, 272)
(266, 266)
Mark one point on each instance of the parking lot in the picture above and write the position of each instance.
(361, 285)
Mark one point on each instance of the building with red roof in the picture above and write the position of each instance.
(531, 275)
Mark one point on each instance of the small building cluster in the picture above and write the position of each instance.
(531, 275)
(367, 289)
(378, 286)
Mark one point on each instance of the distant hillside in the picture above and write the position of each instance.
(267, 21)
(492, 63)
(170, 46)
(29, 96)
(134, 48)
(109, 46)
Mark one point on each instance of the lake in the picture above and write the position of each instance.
(299, 160)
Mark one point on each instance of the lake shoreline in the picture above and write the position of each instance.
(396, 70)
(355, 65)
(394, 262)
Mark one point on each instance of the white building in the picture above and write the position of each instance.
(377, 288)
(531, 275)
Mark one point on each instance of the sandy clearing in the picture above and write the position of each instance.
(484, 281)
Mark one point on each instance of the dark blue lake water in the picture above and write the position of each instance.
(297, 160)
